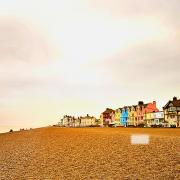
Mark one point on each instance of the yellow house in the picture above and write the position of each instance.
(148, 119)
(131, 116)
(117, 116)
(153, 118)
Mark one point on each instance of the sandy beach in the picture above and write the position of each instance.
(89, 153)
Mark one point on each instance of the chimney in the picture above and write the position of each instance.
(174, 98)
(154, 102)
(140, 103)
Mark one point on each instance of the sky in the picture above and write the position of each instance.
(78, 57)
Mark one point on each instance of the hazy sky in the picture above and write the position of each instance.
(80, 56)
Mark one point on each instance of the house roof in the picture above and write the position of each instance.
(154, 112)
(108, 110)
(87, 117)
(145, 105)
(175, 102)
(151, 106)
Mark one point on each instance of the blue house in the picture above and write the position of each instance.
(124, 116)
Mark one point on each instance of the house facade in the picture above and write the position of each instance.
(124, 116)
(108, 116)
(172, 112)
(135, 115)
(77, 122)
(71, 121)
(154, 118)
(158, 117)
(131, 116)
(113, 121)
(118, 116)
(87, 121)
(141, 114)
(142, 109)
(65, 121)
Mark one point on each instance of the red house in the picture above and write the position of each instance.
(108, 116)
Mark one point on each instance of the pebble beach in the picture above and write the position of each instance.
(89, 153)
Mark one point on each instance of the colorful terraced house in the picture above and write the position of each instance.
(124, 116)
(129, 115)
(135, 115)
(108, 117)
(118, 116)
(142, 109)
(154, 118)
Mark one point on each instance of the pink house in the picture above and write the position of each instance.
(142, 109)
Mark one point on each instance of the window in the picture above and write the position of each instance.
(172, 108)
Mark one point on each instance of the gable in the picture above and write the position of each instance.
(167, 105)
(171, 105)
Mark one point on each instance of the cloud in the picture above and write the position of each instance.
(136, 7)
(20, 43)
(24, 51)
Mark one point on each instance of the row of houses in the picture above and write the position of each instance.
(142, 114)
(71, 121)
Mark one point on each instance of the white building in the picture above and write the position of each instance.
(87, 121)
